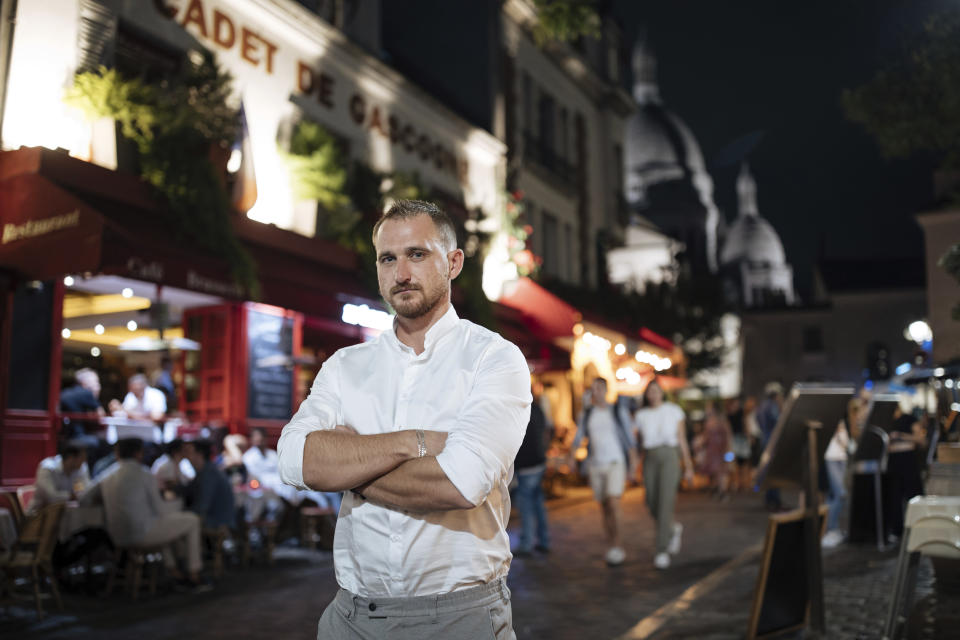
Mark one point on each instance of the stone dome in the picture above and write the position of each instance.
(750, 238)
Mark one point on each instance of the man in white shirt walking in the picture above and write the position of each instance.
(611, 459)
(421, 425)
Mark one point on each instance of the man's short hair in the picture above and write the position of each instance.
(138, 378)
(174, 447)
(70, 449)
(84, 374)
(601, 380)
(129, 448)
(260, 430)
(404, 209)
(204, 447)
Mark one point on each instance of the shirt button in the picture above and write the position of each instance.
(373, 606)
(394, 538)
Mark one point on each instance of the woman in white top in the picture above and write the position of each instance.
(835, 461)
(662, 426)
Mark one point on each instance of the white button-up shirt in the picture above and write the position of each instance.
(469, 382)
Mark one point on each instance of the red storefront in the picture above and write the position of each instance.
(65, 217)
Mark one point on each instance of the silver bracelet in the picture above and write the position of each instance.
(421, 443)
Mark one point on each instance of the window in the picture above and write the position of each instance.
(527, 90)
(568, 256)
(812, 339)
(563, 136)
(551, 261)
(548, 128)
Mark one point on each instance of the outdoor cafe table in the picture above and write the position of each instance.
(76, 518)
(116, 427)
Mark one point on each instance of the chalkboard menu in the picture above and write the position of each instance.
(781, 601)
(270, 351)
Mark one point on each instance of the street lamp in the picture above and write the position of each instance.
(919, 331)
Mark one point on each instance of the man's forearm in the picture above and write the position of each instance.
(417, 485)
(338, 460)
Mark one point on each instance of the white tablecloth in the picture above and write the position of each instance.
(76, 518)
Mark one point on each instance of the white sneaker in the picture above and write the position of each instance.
(674, 547)
(831, 539)
(615, 556)
(661, 560)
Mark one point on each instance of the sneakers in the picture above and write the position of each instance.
(831, 539)
(674, 547)
(615, 556)
(661, 560)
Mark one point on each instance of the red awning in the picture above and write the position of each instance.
(546, 314)
(60, 215)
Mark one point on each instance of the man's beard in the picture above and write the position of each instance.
(411, 310)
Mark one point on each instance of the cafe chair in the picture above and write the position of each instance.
(32, 554)
(214, 540)
(138, 559)
(871, 459)
(25, 496)
(10, 501)
(931, 528)
(316, 525)
(264, 532)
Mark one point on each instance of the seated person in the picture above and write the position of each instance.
(172, 469)
(263, 464)
(209, 495)
(135, 514)
(61, 477)
(83, 396)
(142, 401)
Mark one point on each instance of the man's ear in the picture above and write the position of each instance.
(455, 261)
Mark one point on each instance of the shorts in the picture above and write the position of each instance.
(607, 480)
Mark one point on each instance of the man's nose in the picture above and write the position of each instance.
(402, 274)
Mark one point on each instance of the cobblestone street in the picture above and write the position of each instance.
(569, 593)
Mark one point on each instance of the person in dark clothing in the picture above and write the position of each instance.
(530, 464)
(209, 495)
(903, 469)
(82, 397)
(768, 413)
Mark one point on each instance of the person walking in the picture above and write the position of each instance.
(530, 464)
(768, 413)
(420, 427)
(835, 462)
(611, 459)
(662, 428)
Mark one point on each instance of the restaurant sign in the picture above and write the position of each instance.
(228, 33)
(34, 228)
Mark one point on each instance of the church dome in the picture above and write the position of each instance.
(659, 146)
(750, 238)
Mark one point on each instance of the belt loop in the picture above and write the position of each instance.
(502, 586)
(435, 614)
(353, 612)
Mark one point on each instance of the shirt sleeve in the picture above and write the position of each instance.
(318, 412)
(491, 424)
(46, 484)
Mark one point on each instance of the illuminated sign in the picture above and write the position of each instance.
(364, 316)
(228, 33)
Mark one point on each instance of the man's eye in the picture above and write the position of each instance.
(385, 259)
(417, 254)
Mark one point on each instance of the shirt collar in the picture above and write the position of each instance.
(447, 322)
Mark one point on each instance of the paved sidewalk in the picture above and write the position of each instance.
(569, 593)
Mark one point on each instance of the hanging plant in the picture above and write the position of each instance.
(318, 171)
(176, 126)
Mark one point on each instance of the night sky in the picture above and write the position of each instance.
(765, 78)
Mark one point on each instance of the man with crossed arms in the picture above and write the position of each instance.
(420, 426)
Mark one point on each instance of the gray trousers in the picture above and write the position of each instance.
(482, 612)
(661, 478)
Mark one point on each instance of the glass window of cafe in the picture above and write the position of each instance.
(120, 327)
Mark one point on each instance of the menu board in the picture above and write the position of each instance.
(270, 349)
